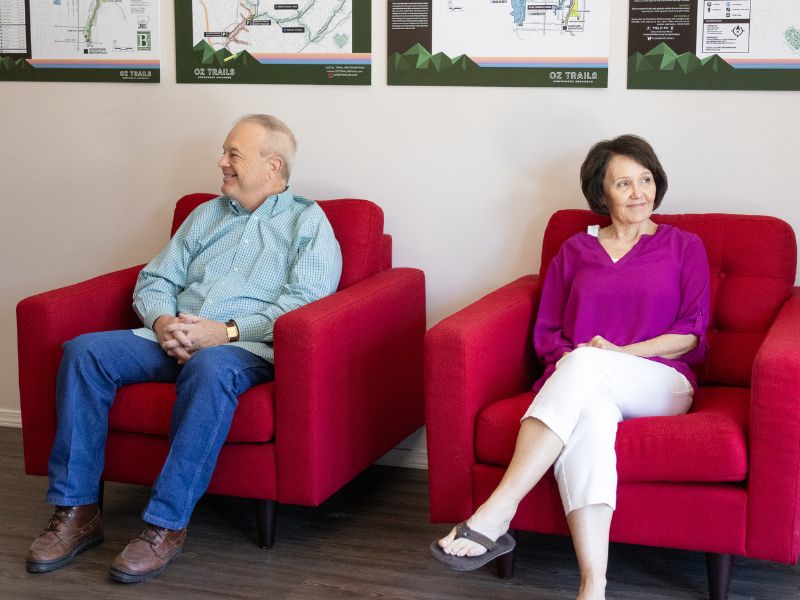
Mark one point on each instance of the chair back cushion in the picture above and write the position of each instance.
(752, 260)
(357, 224)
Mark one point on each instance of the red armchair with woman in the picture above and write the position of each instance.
(622, 319)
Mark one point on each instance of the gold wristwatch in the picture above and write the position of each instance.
(232, 329)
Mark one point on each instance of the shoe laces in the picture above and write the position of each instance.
(152, 535)
(61, 514)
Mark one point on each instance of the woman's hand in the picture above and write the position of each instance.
(602, 343)
(669, 345)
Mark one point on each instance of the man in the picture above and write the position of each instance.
(208, 303)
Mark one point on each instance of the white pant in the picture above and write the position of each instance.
(590, 392)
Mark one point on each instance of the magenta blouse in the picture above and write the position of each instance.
(660, 286)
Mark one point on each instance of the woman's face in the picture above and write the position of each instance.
(629, 190)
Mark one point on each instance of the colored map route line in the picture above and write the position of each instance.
(251, 15)
(325, 27)
(361, 58)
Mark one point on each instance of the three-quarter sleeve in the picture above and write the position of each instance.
(549, 340)
(693, 312)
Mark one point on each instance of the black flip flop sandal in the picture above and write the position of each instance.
(502, 545)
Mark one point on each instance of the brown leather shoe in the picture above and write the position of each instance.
(72, 529)
(148, 554)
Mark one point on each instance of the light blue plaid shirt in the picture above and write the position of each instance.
(225, 262)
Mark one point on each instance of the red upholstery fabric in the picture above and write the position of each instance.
(360, 386)
(774, 482)
(724, 478)
(705, 518)
(386, 252)
(348, 383)
(481, 354)
(708, 445)
(147, 408)
(240, 470)
(44, 322)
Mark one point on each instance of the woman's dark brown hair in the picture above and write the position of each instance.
(593, 169)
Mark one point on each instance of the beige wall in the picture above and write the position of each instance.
(466, 177)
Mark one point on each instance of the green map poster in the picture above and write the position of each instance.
(714, 45)
(560, 43)
(73, 40)
(326, 42)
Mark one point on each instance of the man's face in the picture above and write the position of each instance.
(247, 176)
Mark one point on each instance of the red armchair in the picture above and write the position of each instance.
(348, 384)
(723, 479)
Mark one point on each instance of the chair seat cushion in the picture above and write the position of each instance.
(708, 444)
(147, 408)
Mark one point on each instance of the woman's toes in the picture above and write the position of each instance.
(464, 547)
(456, 548)
(448, 539)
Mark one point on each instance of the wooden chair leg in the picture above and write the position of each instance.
(265, 520)
(719, 568)
(100, 495)
(505, 563)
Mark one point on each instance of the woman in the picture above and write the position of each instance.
(623, 314)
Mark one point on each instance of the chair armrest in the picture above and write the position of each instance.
(44, 322)
(348, 382)
(478, 355)
(773, 530)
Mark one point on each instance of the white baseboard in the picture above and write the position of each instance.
(10, 418)
(409, 458)
(411, 453)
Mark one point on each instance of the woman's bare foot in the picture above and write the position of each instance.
(491, 521)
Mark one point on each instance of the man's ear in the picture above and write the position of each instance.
(274, 165)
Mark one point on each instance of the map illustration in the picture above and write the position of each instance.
(555, 43)
(559, 28)
(261, 27)
(323, 42)
(563, 16)
(80, 40)
(12, 27)
(91, 30)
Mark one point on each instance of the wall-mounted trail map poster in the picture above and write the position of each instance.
(79, 40)
(714, 44)
(560, 43)
(327, 42)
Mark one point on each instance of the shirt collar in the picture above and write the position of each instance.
(273, 205)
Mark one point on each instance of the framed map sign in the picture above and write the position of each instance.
(79, 40)
(714, 45)
(556, 43)
(324, 42)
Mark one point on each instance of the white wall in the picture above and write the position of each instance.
(466, 176)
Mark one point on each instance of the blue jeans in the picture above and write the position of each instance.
(96, 365)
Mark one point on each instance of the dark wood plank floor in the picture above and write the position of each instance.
(369, 541)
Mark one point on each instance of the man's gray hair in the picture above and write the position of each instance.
(280, 140)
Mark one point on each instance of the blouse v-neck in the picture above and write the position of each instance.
(593, 231)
